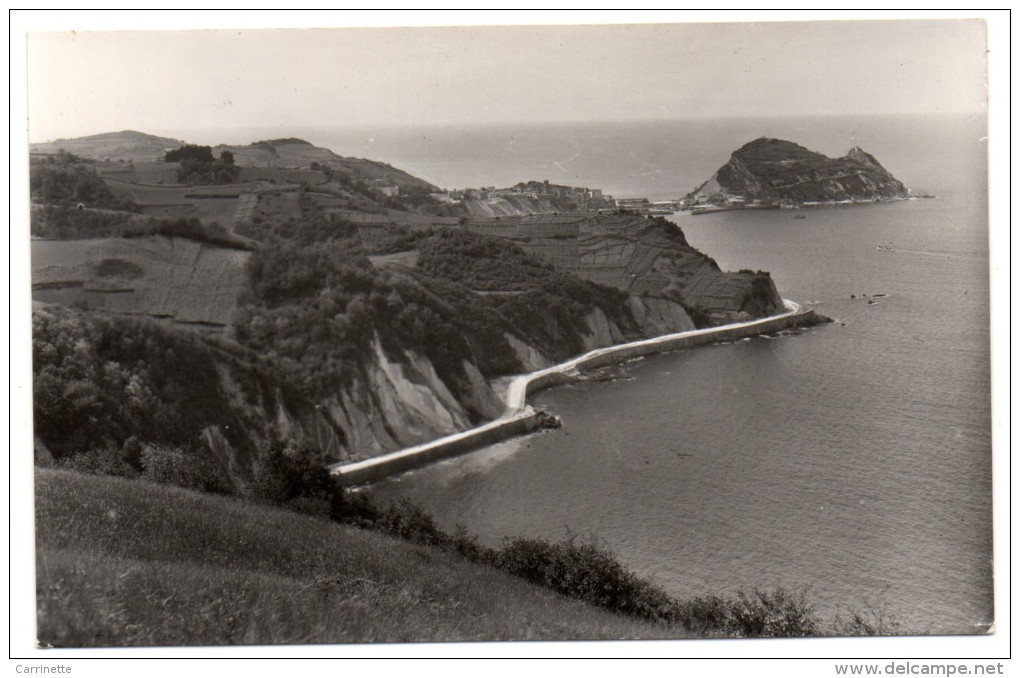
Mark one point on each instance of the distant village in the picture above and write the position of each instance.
(585, 199)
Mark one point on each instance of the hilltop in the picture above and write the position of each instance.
(293, 153)
(125, 146)
(775, 171)
(120, 148)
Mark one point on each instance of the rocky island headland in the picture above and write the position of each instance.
(770, 172)
(214, 302)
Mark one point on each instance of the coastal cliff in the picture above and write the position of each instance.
(104, 379)
(777, 171)
(300, 307)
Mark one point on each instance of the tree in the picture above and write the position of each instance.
(227, 158)
(190, 152)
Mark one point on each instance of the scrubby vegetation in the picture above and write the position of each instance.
(128, 563)
(316, 309)
(243, 538)
(70, 223)
(190, 152)
(555, 305)
(585, 570)
(215, 172)
(101, 380)
(198, 166)
(317, 302)
(65, 179)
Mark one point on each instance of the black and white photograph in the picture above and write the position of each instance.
(374, 336)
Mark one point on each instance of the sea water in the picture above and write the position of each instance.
(852, 461)
(657, 159)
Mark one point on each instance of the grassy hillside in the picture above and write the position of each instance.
(127, 146)
(130, 563)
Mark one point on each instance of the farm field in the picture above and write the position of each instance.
(175, 279)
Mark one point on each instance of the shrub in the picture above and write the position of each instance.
(71, 184)
(758, 614)
(409, 521)
(297, 479)
(703, 615)
(99, 461)
(108, 378)
(190, 152)
(773, 614)
(207, 172)
(871, 621)
(68, 223)
(587, 571)
(192, 469)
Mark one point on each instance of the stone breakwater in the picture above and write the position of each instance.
(519, 418)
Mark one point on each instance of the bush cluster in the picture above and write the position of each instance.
(66, 180)
(100, 380)
(207, 172)
(189, 152)
(198, 166)
(298, 480)
(751, 614)
(193, 468)
(584, 570)
(62, 222)
(316, 303)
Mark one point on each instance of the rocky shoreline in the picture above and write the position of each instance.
(520, 418)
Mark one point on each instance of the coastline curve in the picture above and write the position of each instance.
(518, 417)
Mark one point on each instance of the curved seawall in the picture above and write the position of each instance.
(519, 417)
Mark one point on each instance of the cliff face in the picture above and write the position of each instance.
(236, 408)
(400, 401)
(774, 170)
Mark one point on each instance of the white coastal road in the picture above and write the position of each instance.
(517, 393)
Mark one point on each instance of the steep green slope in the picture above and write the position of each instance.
(129, 563)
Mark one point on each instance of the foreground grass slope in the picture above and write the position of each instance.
(130, 563)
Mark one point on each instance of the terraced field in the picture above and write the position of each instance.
(606, 249)
(630, 253)
(208, 203)
(173, 279)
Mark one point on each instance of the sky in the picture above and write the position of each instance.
(91, 81)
